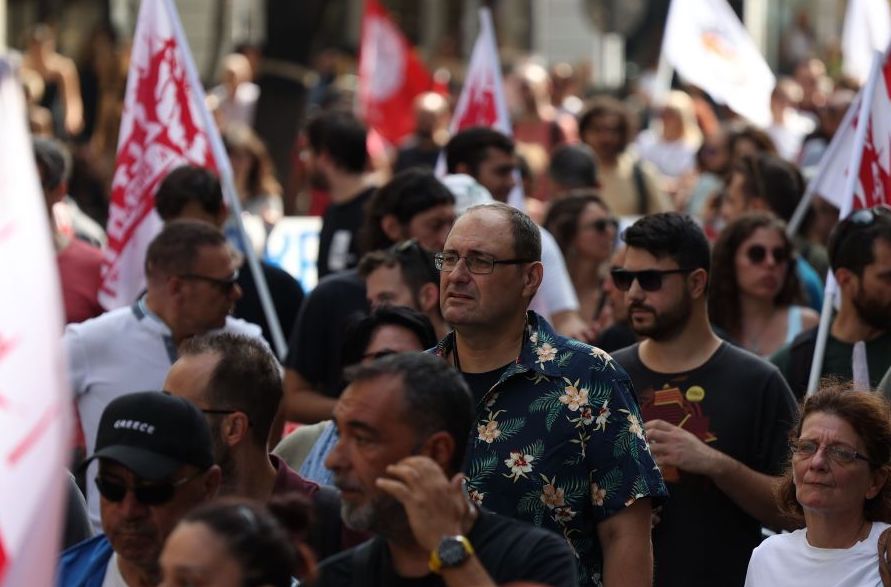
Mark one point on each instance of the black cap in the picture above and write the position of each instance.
(153, 434)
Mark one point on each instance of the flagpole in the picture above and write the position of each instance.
(848, 204)
(230, 195)
(664, 71)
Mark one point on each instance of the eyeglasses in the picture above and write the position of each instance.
(225, 284)
(858, 219)
(758, 253)
(839, 454)
(145, 493)
(413, 251)
(602, 224)
(478, 263)
(649, 279)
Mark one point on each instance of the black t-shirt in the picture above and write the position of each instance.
(317, 337)
(740, 405)
(286, 294)
(338, 249)
(508, 549)
(616, 337)
(481, 383)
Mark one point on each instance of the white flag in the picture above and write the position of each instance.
(163, 127)
(34, 397)
(709, 47)
(867, 29)
(873, 185)
(482, 101)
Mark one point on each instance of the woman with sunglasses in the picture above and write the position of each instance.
(239, 543)
(754, 289)
(837, 485)
(586, 233)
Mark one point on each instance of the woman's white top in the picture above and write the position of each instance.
(788, 560)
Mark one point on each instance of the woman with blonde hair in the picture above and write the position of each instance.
(672, 142)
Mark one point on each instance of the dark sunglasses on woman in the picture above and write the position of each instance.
(758, 253)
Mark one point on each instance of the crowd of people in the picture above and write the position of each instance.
(607, 387)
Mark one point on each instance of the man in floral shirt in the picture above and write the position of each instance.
(558, 439)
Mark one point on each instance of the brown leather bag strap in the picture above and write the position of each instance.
(884, 565)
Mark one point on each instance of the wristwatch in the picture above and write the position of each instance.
(451, 552)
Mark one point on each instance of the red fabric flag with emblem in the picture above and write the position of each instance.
(391, 75)
(34, 396)
(162, 128)
(873, 185)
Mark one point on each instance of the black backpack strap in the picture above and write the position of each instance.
(640, 185)
(801, 355)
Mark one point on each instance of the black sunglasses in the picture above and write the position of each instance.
(758, 253)
(411, 249)
(146, 494)
(225, 285)
(601, 225)
(649, 279)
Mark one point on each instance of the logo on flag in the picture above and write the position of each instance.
(873, 185)
(390, 76)
(710, 48)
(161, 129)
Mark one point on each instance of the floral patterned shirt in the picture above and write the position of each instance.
(559, 442)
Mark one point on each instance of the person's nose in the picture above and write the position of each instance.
(820, 460)
(635, 293)
(460, 273)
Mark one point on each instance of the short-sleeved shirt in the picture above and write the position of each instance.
(736, 403)
(558, 441)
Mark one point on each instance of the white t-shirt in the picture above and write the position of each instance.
(556, 292)
(122, 351)
(113, 577)
(788, 560)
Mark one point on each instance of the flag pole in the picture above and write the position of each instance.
(230, 195)
(850, 187)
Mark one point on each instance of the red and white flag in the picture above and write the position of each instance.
(482, 101)
(162, 127)
(873, 184)
(34, 394)
(708, 46)
(391, 75)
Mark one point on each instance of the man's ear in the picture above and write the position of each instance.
(391, 227)
(440, 447)
(212, 480)
(235, 429)
(698, 281)
(532, 276)
(429, 297)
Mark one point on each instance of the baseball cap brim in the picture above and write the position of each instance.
(145, 464)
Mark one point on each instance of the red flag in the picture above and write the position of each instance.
(162, 128)
(34, 394)
(390, 75)
(873, 185)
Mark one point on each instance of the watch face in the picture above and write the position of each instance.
(451, 552)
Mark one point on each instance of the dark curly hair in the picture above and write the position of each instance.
(869, 414)
(723, 299)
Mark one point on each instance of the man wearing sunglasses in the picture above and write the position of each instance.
(191, 286)
(860, 256)
(155, 464)
(557, 439)
(717, 417)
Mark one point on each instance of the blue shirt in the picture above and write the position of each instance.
(84, 564)
(559, 442)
